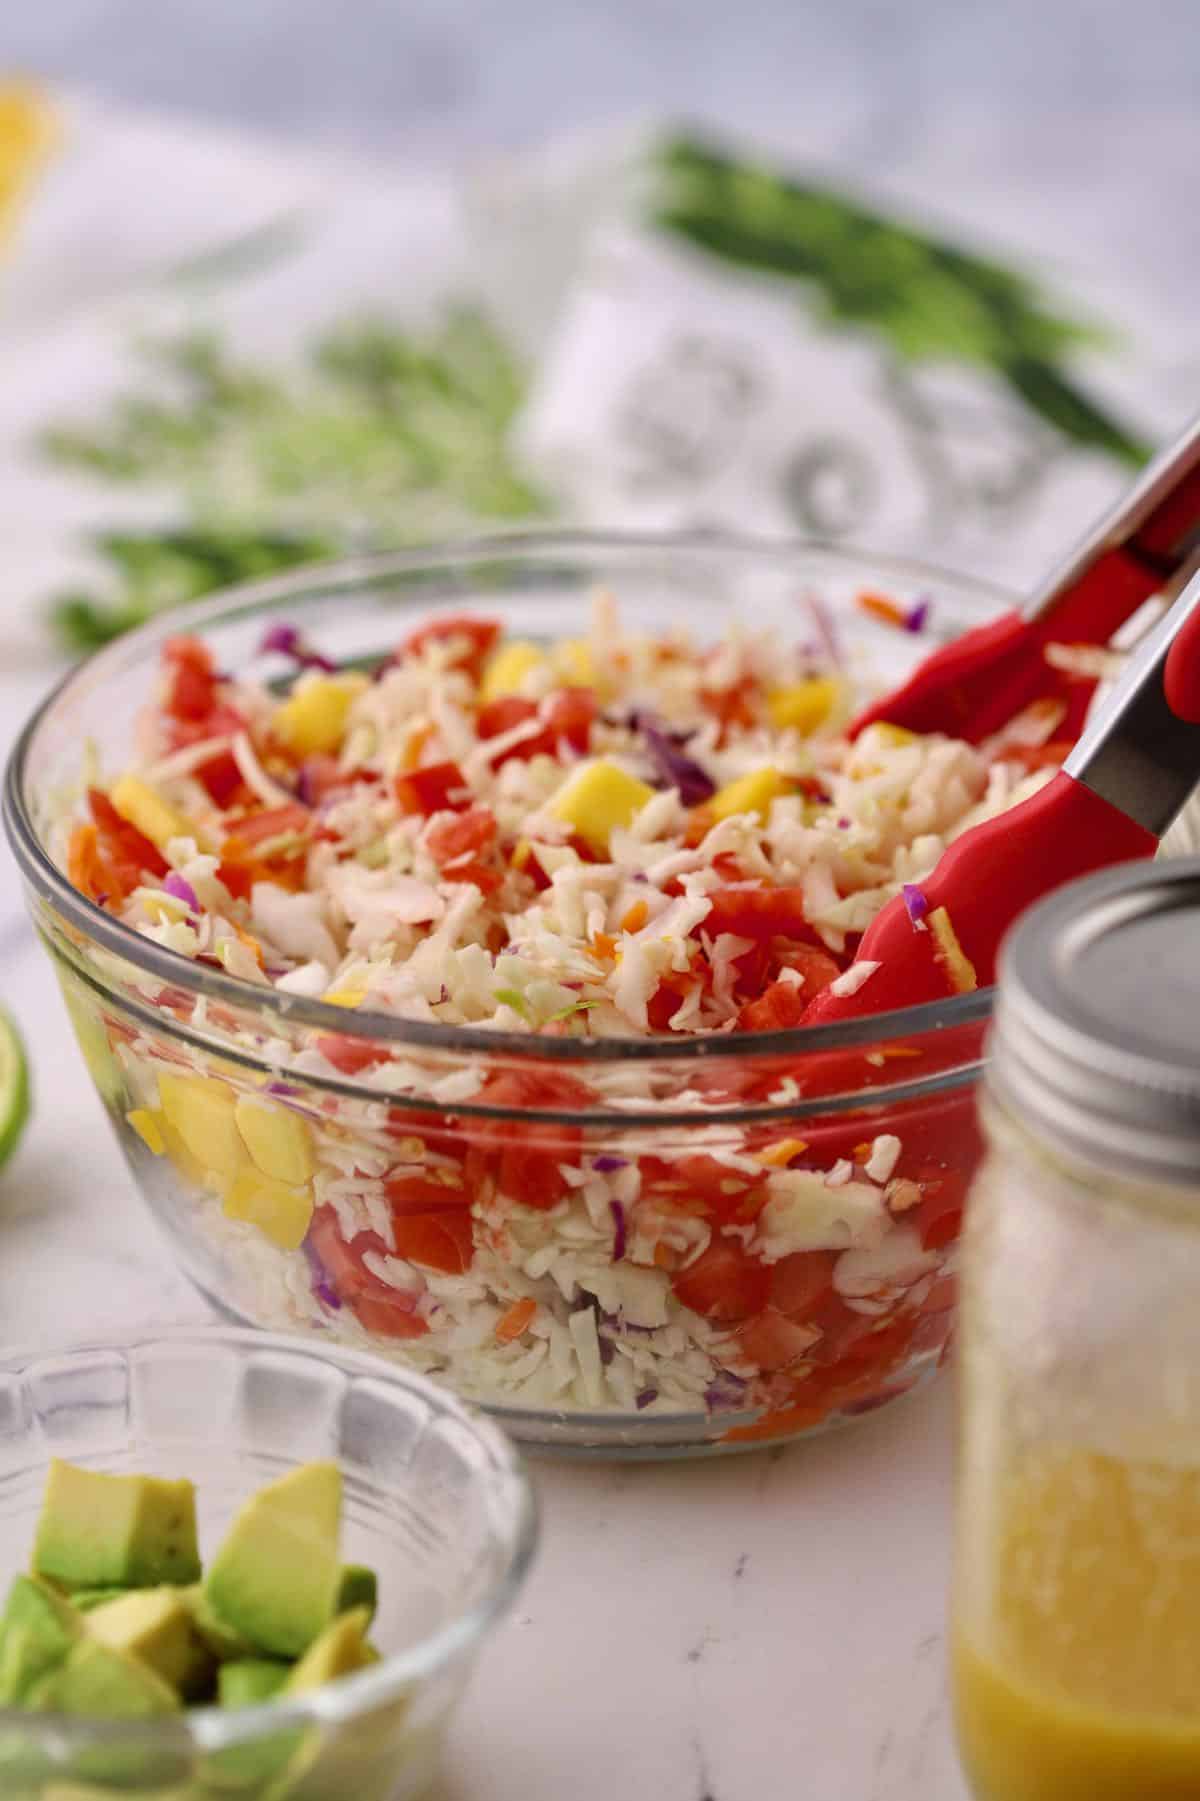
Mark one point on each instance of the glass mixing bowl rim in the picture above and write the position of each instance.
(174, 969)
(211, 1729)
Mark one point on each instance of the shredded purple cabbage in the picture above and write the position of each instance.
(645, 1398)
(915, 902)
(673, 768)
(618, 1213)
(917, 617)
(181, 890)
(320, 1280)
(606, 1163)
(282, 1088)
(608, 1349)
(826, 630)
(725, 1390)
(287, 642)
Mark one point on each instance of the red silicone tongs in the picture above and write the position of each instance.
(1146, 544)
(1129, 775)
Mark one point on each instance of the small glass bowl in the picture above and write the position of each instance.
(713, 1357)
(435, 1501)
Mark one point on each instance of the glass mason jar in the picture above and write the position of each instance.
(1077, 1586)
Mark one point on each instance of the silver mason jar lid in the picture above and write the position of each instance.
(1096, 1041)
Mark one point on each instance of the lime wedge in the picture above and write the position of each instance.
(14, 1087)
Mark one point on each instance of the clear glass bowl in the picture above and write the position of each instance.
(435, 1501)
(715, 1350)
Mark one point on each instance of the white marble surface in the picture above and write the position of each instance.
(757, 1629)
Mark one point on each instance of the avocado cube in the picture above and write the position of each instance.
(97, 1682)
(126, 1531)
(277, 1576)
(360, 1588)
(250, 1681)
(155, 1625)
(341, 1649)
(36, 1633)
(225, 1644)
(84, 1599)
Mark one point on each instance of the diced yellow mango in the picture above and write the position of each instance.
(804, 705)
(574, 657)
(894, 736)
(598, 798)
(506, 669)
(345, 997)
(278, 1141)
(148, 1125)
(313, 719)
(751, 793)
(202, 1111)
(281, 1211)
(154, 817)
(187, 1166)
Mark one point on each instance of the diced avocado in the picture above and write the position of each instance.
(751, 793)
(36, 1634)
(341, 1649)
(360, 1588)
(597, 799)
(155, 1626)
(96, 1681)
(87, 1598)
(128, 1531)
(251, 1681)
(277, 1576)
(225, 1644)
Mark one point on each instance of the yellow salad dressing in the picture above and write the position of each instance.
(1088, 1687)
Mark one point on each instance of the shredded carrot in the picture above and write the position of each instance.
(662, 1257)
(892, 1053)
(417, 740)
(950, 953)
(81, 858)
(636, 917)
(251, 944)
(880, 607)
(781, 1153)
(518, 1318)
(603, 944)
(861, 1153)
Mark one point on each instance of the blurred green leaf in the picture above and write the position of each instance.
(924, 297)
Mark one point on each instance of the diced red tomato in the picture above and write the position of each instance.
(418, 1194)
(442, 1241)
(570, 713)
(938, 1217)
(128, 853)
(350, 1055)
(376, 1305)
(438, 788)
(265, 823)
(191, 681)
(758, 913)
(528, 1152)
(802, 1282)
(566, 716)
(724, 1284)
(666, 1001)
(476, 636)
(777, 1009)
(449, 840)
(772, 1342)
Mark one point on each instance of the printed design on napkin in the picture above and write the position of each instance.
(746, 349)
(27, 135)
(378, 436)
